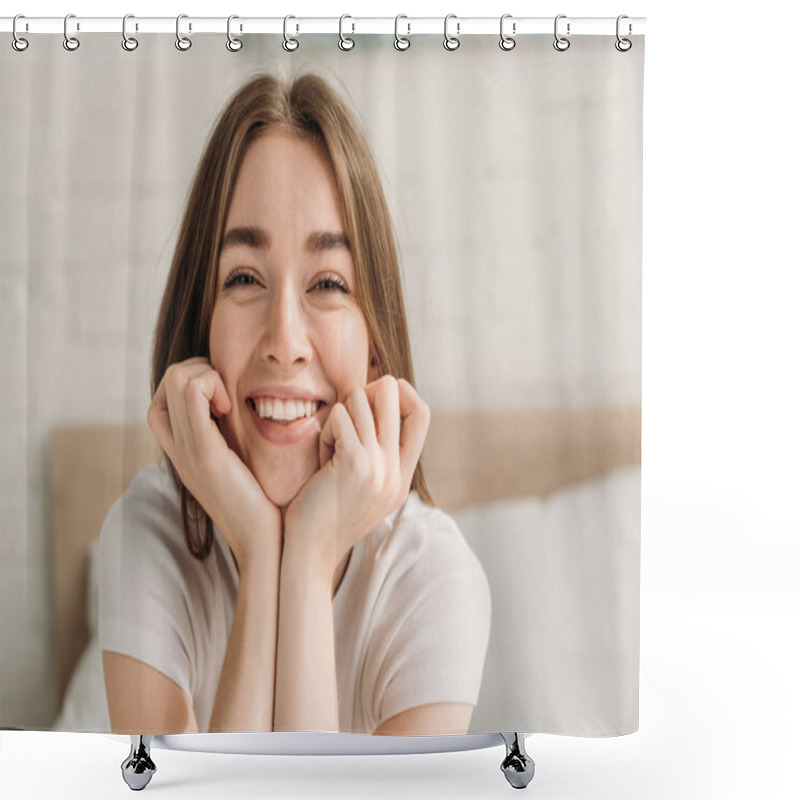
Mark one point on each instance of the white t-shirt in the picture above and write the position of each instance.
(411, 614)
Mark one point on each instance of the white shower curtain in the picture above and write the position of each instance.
(514, 184)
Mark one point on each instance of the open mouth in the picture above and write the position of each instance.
(284, 412)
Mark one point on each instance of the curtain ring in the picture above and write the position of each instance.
(289, 44)
(507, 42)
(400, 42)
(70, 42)
(561, 43)
(129, 43)
(18, 43)
(182, 42)
(451, 42)
(345, 43)
(623, 45)
(233, 44)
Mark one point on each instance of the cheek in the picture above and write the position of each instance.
(216, 341)
(224, 347)
(344, 352)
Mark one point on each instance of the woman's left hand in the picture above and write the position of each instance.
(367, 461)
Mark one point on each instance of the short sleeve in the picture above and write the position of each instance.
(144, 571)
(434, 642)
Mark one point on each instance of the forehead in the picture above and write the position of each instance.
(285, 177)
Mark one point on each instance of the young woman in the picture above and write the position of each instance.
(284, 567)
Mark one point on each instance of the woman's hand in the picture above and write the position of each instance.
(367, 461)
(181, 418)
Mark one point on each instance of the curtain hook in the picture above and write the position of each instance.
(451, 42)
(129, 43)
(345, 43)
(507, 42)
(623, 45)
(182, 42)
(18, 43)
(289, 44)
(233, 44)
(561, 43)
(70, 43)
(400, 42)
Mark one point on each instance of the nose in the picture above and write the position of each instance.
(285, 337)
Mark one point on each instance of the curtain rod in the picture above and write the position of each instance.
(407, 26)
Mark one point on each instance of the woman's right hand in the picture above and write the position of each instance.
(180, 415)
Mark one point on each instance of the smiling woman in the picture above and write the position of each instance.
(286, 326)
(284, 567)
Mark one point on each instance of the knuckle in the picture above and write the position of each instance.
(174, 376)
(192, 386)
(389, 382)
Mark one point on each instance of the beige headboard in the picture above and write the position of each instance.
(468, 459)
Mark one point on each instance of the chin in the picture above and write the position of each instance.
(282, 483)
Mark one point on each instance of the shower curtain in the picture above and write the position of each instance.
(513, 187)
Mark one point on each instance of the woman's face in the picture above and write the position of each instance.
(286, 325)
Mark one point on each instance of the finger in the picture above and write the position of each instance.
(158, 420)
(175, 379)
(338, 435)
(384, 397)
(360, 410)
(205, 392)
(158, 415)
(416, 418)
(219, 401)
(190, 389)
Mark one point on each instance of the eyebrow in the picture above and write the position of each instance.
(249, 236)
(258, 238)
(326, 240)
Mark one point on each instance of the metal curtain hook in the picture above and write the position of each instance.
(561, 43)
(129, 43)
(182, 42)
(345, 43)
(623, 45)
(507, 42)
(400, 42)
(70, 42)
(18, 43)
(451, 42)
(289, 44)
(233, 44)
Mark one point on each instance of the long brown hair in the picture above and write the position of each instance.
(307, 106)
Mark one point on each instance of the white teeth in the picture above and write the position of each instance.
(285, 410)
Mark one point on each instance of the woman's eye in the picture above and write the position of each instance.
(331, 284)
(239, 279)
